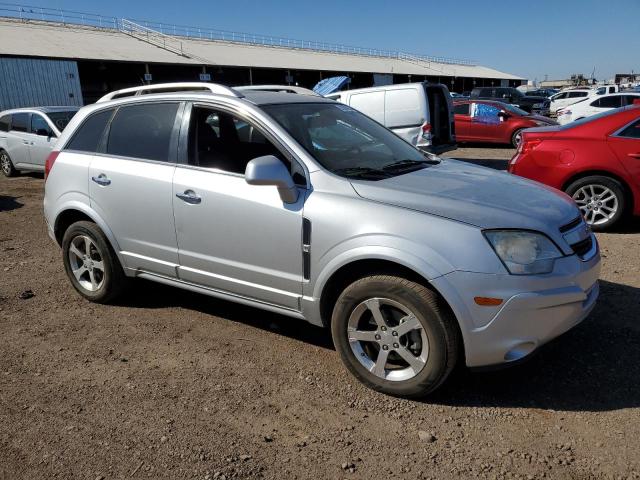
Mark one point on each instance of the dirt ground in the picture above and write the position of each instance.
(170, 384)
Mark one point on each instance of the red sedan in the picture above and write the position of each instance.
(595, 160)
(486, 121)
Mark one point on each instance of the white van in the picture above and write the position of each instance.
(421, 113)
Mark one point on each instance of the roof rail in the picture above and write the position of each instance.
(170, 88)
(277, 88)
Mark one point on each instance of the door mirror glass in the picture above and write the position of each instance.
(503, 115)
(269, 170)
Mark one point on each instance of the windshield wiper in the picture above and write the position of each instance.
(362, 172)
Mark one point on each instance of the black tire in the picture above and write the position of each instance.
(6, 165)
(112, 281)
(514, 137)
(599, 182)
(437, 323)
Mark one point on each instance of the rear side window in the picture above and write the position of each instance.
(461, 109)
(577, 94)
(632, 131)
(402, 108)
(5, 123)
(629, 99)
(142, 131)
(88, 136)
(20, 122)
(608, 102)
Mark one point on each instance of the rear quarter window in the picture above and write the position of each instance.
(88, 136)
(20, 122)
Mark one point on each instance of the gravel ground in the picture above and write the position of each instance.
(169, 384)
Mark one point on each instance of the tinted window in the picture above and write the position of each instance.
(577, 94)
(142, 131)
(629, 99)
(5, 123)
(559, 96)
(632, 131)
(61, 119)
(20, 122)
(39, 125)
(608, 102)
(88, 136)
(486, 92)
(461, 109)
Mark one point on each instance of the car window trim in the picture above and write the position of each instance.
(85, 120)
(617, 132)
(172, 158)
(183, 160)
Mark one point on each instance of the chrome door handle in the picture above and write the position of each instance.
(189, 196)
(101, 180)
(634, 155)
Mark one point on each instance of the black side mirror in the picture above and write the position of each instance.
(503, 115)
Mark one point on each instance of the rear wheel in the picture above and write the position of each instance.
(600, 199)
(6, 165)
(516, 138)
(91, 264)
(395, 335)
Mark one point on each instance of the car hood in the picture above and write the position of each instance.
(541, 118)
(479, 196)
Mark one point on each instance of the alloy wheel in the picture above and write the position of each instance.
(5, 163)
(86, 263)
(598, 203)
(388, 339)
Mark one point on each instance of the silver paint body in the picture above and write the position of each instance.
(27, 150)
(241, 242)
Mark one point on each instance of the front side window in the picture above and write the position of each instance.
(87, 138)
(142, 131)
(577, 94)
(221, 141)
(20, 122)
(632, 131)
(485, 113)
(39, 126)
(346, 142)
(608, 102)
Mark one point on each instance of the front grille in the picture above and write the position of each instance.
(583, 247)
(571, 225)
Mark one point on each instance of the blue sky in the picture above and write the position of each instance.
(531, 39)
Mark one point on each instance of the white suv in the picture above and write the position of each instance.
(594, 105)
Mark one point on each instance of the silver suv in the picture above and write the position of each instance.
(303, 206)
(27, 136)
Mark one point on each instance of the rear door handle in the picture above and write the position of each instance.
(634, 155)
(189, 196)
(101, 180)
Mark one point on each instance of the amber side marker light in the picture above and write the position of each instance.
(487, 301)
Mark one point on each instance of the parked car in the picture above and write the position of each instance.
(421, 113)
(594, 105)
(27, 136)
(606, 89)
(568, 97)
(512, 96)
(415, 263)
(595, 160)
(493, 122)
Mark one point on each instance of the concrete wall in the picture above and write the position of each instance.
(28, 82)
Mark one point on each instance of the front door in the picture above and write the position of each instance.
(19, 139)
(235, 237)
(130, 184)
(484, 122)
(43, 138)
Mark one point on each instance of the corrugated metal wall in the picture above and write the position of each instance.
(30, 82)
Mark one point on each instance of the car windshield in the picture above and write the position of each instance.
(516, 110)
(61, 119)
(346, 142)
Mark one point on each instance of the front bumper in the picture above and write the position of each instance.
(535, 310)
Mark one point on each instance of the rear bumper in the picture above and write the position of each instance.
(439, 149)
(535, 309)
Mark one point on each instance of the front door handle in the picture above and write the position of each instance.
(189, 196)
(634, 155)
(101, 180)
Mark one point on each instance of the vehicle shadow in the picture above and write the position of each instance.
(495, 163)
(154, 295)
(594, 367)
(8, 203)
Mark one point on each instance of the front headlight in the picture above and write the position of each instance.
(523, 252)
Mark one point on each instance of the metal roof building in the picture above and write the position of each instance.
(114, 53)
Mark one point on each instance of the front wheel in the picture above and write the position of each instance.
(91, 264)
(395, 336)
(600, 199)
(6, 165)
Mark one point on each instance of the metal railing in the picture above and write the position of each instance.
(151, 36)
(46, 14)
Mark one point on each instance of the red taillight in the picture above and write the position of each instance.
(426, 128)
(48, 165)
(526, 146)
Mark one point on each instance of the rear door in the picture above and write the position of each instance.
(441, 117)
(130, 184)
(626, 145)
(18, 140)
(462, 117)
(43, 138)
